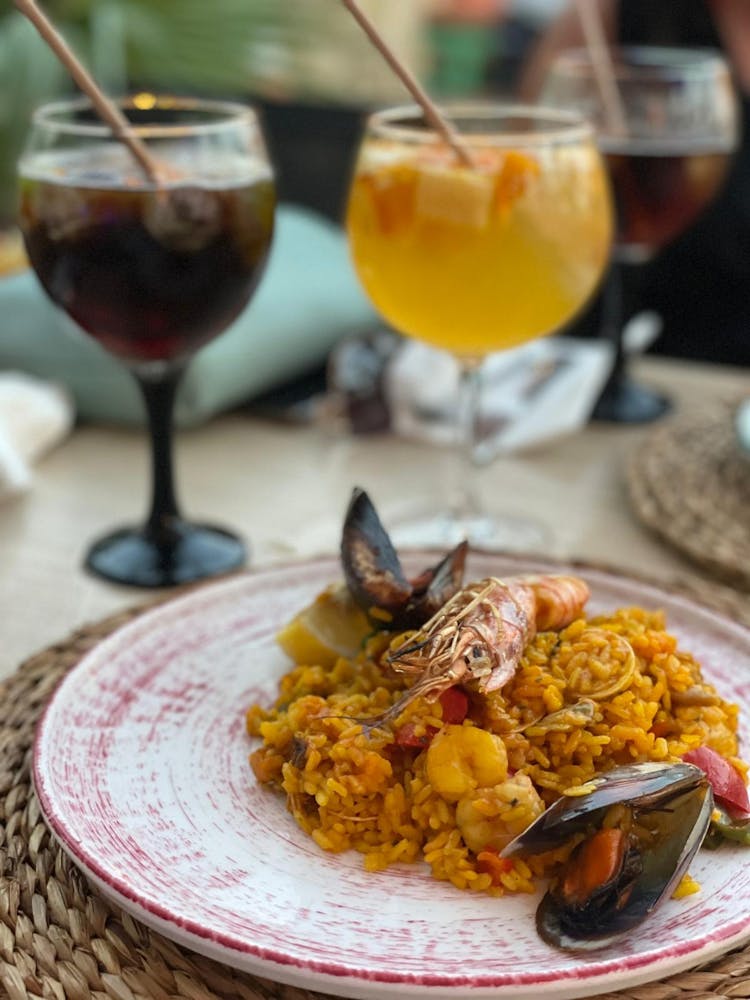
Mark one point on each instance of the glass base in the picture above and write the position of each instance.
(192, 552)
(626, 402)
(482, 531)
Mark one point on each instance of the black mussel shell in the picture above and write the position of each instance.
(436, 586)
(645, 880)
(605, 913)
(376, 579)
(372, 569)
(641, 785)
(672, 801)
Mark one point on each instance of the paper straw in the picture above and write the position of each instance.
(604, 73)
(105, 108)
(431, 113)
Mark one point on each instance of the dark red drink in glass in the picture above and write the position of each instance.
(150, 275)
(659, 191)
(666, 120)
(151, 267)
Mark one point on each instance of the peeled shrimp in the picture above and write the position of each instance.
(469, 766)
(489, 818)
(462, 758)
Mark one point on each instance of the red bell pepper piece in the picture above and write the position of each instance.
(407, 738)
(455, 706)
(728, 787)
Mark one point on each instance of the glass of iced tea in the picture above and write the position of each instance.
(476, 257)
(667, 142)
(152, 270)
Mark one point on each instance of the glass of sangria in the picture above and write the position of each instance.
(152, 270)
(476, 257)
(667, 143)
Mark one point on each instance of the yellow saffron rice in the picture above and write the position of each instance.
(423, 787)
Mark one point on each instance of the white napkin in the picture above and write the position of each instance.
(530, 395)
(34, 416)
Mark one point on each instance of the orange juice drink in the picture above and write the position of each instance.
(478, 258)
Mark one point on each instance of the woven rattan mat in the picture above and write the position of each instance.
(60, 939)
(690, 484)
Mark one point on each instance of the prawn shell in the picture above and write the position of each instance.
(623, 907)
(641, 785)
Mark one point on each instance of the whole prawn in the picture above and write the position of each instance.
(481, 632)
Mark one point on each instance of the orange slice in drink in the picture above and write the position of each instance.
(513, 177)
(392, 193)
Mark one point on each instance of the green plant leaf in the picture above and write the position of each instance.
(29, 75)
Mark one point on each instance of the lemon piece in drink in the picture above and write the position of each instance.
(332, 626)
(455, 195)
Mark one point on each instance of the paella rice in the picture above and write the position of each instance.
(453, 780)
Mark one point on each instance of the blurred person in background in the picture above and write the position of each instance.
(478, 48)
(524, 22)
(697, 284)
(463, 41)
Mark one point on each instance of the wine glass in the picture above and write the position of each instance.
(152, 271)
(476, 258)
(667, 134)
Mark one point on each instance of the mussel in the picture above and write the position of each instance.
(376, 579)
(641, 826)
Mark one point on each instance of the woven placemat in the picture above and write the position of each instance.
(60, 939)
(689, 482)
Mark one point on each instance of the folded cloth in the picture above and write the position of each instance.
(528, 396)
(307, 300)
(34, 416)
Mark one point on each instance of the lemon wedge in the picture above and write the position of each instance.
(332, 626)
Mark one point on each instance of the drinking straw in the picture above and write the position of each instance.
(601, 63)
(106, 109)
(441, 125)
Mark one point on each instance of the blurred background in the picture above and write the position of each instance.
(305, 61)
(308, 66)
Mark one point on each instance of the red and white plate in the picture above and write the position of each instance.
(141, 771)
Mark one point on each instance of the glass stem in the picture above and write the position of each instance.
(620, 298)
(466, 503)
(159, 395)
(613, 322)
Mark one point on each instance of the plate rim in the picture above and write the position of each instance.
(640, 967)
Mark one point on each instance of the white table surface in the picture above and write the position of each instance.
(286, 488)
